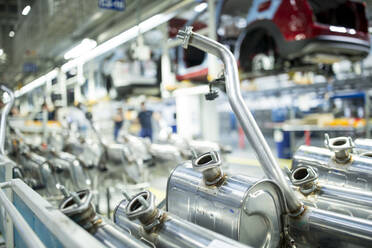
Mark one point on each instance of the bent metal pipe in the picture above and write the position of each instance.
(245, 117)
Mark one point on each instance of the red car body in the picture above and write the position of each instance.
(300, 31)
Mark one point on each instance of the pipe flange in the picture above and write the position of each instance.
(185, 35)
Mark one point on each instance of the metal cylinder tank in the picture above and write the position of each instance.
(231, 205)
(348, 201)
(322, 228)
(162, 229)
(356, 172)
(363, 145)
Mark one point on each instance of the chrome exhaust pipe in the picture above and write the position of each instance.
(160, 229)
(245, 117)
(79, 208)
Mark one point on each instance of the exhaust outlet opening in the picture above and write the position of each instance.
(204, 160)
(209, 165)
(301, 174)
(339, 142)
(136, 204)
(305, 178)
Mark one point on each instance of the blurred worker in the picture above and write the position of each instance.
(118, 122)
(14, 112)
(50, 113)
(145, 120)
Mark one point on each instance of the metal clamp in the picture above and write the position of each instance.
(185, 35)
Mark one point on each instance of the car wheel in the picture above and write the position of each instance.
(258, 52)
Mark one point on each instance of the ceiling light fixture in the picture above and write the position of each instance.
(116, 41)
(78, 50)
(26, 10)
(200, 7)
(11, 34)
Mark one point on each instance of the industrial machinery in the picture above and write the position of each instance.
(337, 163)
(144, 220)
(70, 168)
(267, 212)
(78, 207)
(229, 205)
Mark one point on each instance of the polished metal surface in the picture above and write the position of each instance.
(112, 237)
(357, 172)
(243, 114)
(78, 207)
(165, 152)
(342, 200)
(38, 169)
(232, 208)
(171, 231)
(321, 228)
(79, 177)
(363, 145)
(120, 155)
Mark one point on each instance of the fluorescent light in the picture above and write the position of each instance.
(26, 10)
(84, 46)
(36, 83)
(1, 51)
(118, 40)
(106, 46)
(11, 34)
(200, 7)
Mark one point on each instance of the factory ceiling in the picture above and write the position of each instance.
(52, 27)
(40, 38)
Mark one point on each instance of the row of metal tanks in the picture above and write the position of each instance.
(306, 207)
(206, 207)
(251, 211)
(86, 162)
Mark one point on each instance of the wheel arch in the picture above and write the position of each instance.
(267, 26)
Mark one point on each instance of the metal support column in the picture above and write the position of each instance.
(208, 109)
(62, 87)
(167, 77)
